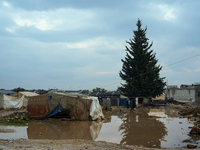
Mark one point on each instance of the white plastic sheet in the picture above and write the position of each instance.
(8, 103)
(95, 129)
(95, 109)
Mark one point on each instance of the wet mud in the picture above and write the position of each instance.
(154, 128)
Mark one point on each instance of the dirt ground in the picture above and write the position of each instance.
(6, 112)
(68, 144)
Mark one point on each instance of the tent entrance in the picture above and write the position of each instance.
(58, 112)
(62, 114)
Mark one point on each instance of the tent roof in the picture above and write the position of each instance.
(74, 95)
(64, 91)
(29, 93)
(6, 92)
(105, 93)
(41, 92)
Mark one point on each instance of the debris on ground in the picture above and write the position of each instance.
(171, 101)
(17, 115)
(164, 102)
(195, 111)
(190, 146)
(195, 130)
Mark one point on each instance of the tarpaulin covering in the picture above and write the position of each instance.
(122, 101)
(26, 96)
(95, 109)
(8, 102)
(54, 112)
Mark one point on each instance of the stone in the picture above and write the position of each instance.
(190, 146)
(12, 118)
(64, 119)
(195, 130)
(72, 118)
(154, 146)
(16, 117)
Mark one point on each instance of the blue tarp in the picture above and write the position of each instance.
(122, 102)
(54, 112)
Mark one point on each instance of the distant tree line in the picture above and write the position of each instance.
(18, 89)
(97, 89)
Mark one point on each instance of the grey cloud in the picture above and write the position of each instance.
(51, 5)
(89, 54)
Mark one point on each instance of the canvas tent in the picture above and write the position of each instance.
(26, 96)
(8, 102)
(79, 106)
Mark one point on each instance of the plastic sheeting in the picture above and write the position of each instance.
(54, 112)
(8, 102)
(95, 109)
(95, 129)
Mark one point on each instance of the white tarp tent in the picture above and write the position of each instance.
(26, 96)
(95, 109)
(7, 102)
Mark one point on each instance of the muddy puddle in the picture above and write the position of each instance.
(160, 128)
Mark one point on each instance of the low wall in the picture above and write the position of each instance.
(180, 94)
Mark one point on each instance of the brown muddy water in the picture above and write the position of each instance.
(160, 128)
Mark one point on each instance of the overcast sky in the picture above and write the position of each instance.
(79, 44)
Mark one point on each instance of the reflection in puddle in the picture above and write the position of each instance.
(110, 131)
(71, 130)
(140, 129)
(158, 128)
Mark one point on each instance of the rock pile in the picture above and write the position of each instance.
(17, 115)
(194, 111)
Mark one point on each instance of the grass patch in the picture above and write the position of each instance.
(14, 122)
(41, 125)
(17, 122)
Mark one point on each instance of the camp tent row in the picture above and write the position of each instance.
(77, 106)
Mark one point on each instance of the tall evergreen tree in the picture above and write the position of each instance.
(140, 70)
